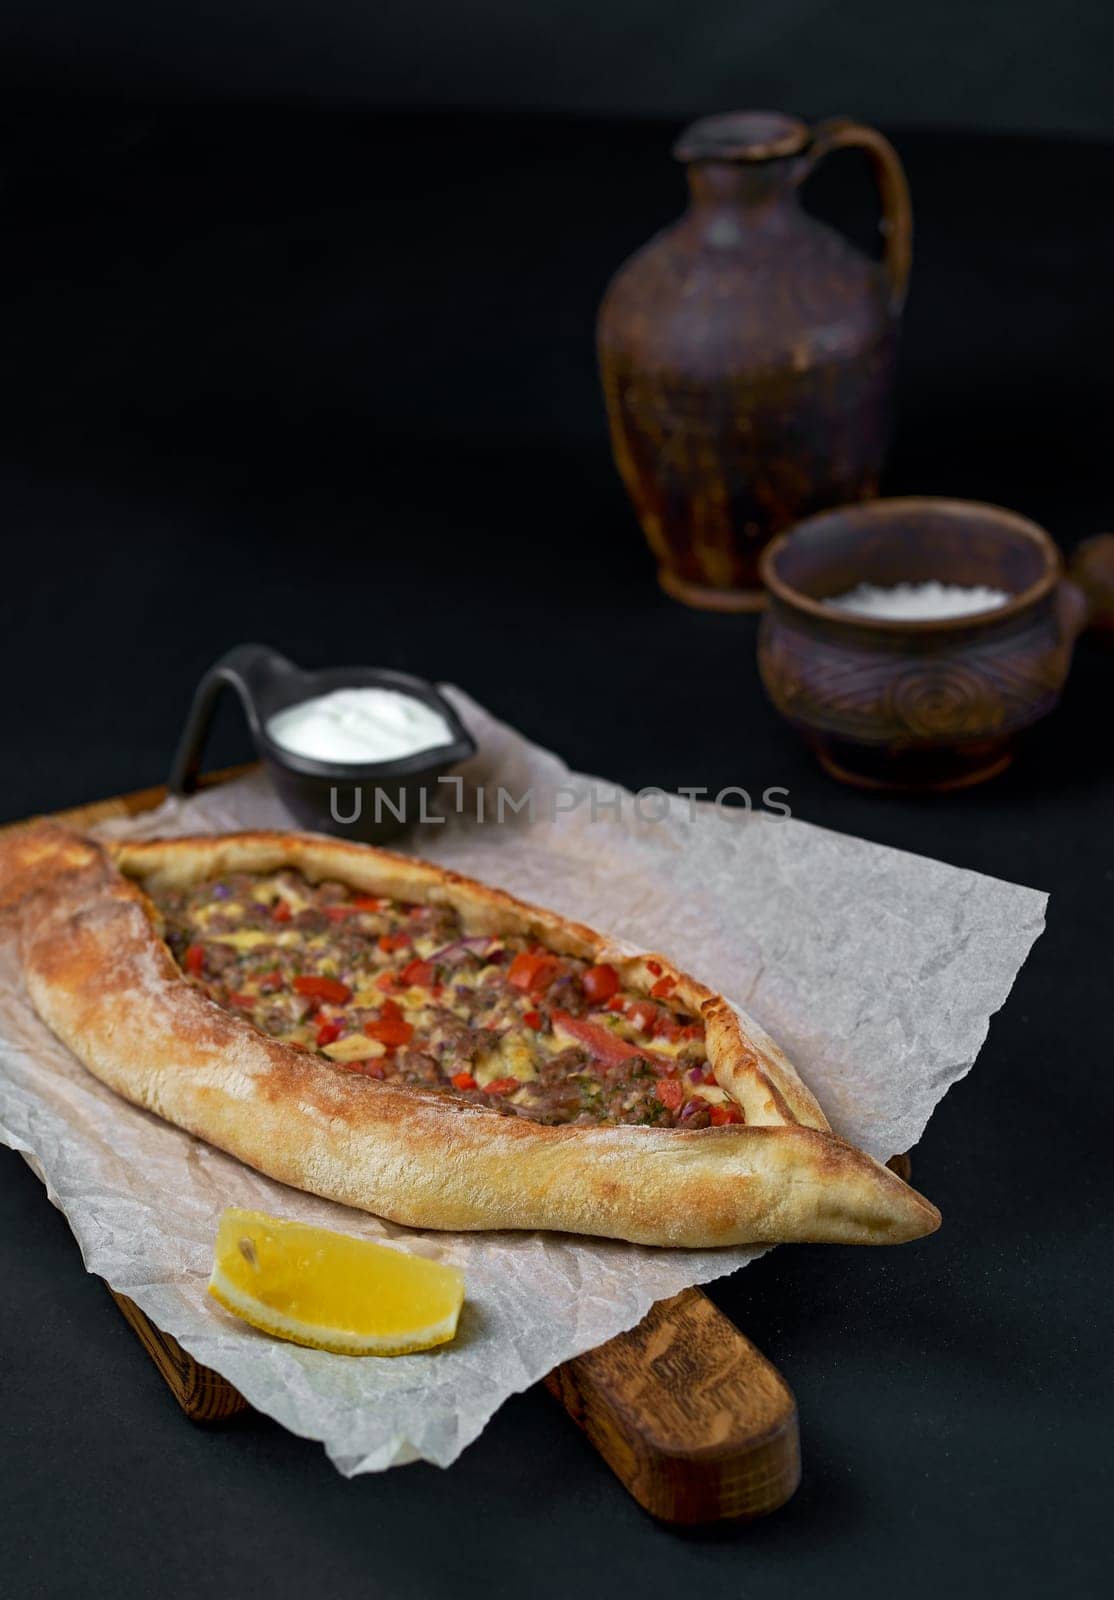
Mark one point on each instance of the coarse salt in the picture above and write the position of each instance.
(917, 602)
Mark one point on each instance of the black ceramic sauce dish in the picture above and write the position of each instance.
(370, 802)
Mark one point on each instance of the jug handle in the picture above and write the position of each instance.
(842, 133)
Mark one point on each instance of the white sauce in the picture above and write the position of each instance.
(918, 602)
(359, 725)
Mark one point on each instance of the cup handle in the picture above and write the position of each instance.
(246, 669)
(842, 133)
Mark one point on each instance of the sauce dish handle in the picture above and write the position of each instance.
(253, 671)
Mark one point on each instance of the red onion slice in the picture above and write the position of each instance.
(460, 950)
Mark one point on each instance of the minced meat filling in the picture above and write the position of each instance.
(399, 992)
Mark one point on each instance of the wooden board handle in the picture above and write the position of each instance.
(692, 1419)
(202, 1393)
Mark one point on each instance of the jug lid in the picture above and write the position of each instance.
(742, 136)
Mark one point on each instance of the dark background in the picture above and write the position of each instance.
(1013, 65)
(285, 359)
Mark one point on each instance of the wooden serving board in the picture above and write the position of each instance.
(693, 1420)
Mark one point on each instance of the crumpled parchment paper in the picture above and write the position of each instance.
(877, 971)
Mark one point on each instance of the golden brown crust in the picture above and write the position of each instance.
(103, 980)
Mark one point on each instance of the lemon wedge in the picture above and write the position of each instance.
(330, 1291)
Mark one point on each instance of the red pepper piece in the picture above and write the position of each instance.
(606, 1046)
(618, 1002)
(722, 1116)
(350, 908)
(501, 1086)
(392, 1034)
(692, 1030)
(663, 987)
(532, 970)
(392, 1028)
(533, 1019)
(390, 942)
(387, 980)
(331, 989)
(270, 981)
(462, 1080)
(194, 959)
(600, 983)
(670, 1092)
(328, 1033)
(245, 1000)
(643, 1016)
(281, 912)
(654, 967)
(419, 973)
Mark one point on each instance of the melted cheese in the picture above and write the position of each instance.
(709, 1092)
(371, 999)
(268, 890)
(248, 938)
(223, 908)
(511, 1060)
(357, 1047)
(662, 1047)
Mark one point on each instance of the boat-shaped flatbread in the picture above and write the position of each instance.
(387, 1034)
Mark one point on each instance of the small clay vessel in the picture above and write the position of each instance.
(748, 353)
(933, 703)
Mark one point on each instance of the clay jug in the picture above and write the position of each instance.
(748, 353)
